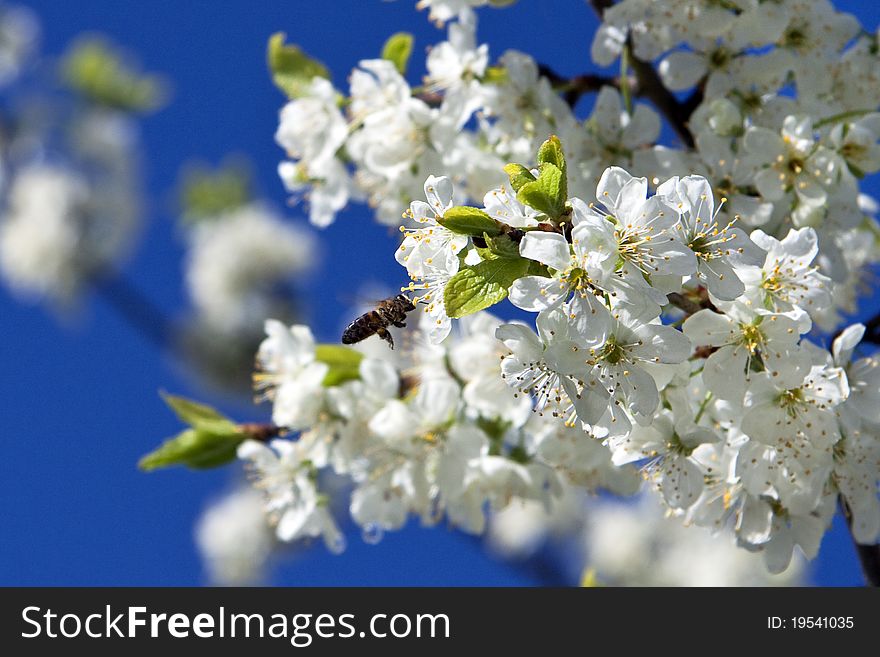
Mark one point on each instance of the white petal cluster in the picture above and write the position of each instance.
(19, 32)
(618, 537)
(434, 434)
(234, 539)
(679, 288)
(235, 260)
(65, 224)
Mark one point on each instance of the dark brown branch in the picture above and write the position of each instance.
(261, 431)
(573, 88)
(599, 6)
(869, 555)
(684, 303)
(651, 87)
(872, 330)
(137, 309)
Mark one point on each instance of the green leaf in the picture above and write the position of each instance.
(466, 220)
(292, 70)
(483, 285)
(533, 195)
(551, 152)
(207, 193)
(210, 441)
(519, 175)
(547, 194)
(195, 448)
(502, 246)
(195, 413)
(397, 50)
(344, 363)
(99, 72)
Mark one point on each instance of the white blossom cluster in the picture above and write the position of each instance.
(781, 159)
(735, 419)
(66, 222)
(235, 260)
(679, 289)
(19, 33)
(616, 543)
(428, 432)
(70, 185)
(234, 540)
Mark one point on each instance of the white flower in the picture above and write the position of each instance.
(311, 128)
(430, 245)
(857, 455)
(716, 247)
(290, 375)
(667, 447)
(582, 458)
(856, 143)
(787, 282)
(544, 366)
(862, 407)
(502, 205)
(292, 501)
(794, 162)
(617, 369)
(474, 357)
(459, 61)
(643, 230)
(617, 133)
(778, 413)
(236, 258)
(40, 236)
(743, 340)
(234, 539)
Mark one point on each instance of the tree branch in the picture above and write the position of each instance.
(573, 88)
(651, 87)
(599, 6)
(135, 308)
(872, 330)
(869, 555)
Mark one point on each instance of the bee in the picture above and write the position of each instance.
(388, 312)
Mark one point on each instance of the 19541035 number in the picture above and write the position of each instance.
(810, 622)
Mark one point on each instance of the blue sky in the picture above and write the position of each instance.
(80, 400)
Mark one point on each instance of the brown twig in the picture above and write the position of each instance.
(261, 431)
(650, 86)
(573, 88)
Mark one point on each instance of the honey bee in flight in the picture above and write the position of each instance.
(388, 312)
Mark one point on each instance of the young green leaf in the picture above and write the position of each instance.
(195, 448)
(483, 285)
(551, 152)
(466, 220)
(397, 50)
(501, 246)
(519, 175)
(195, 413)
(344, 363)
(547, 193)
(99, 72)
(292, 70)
